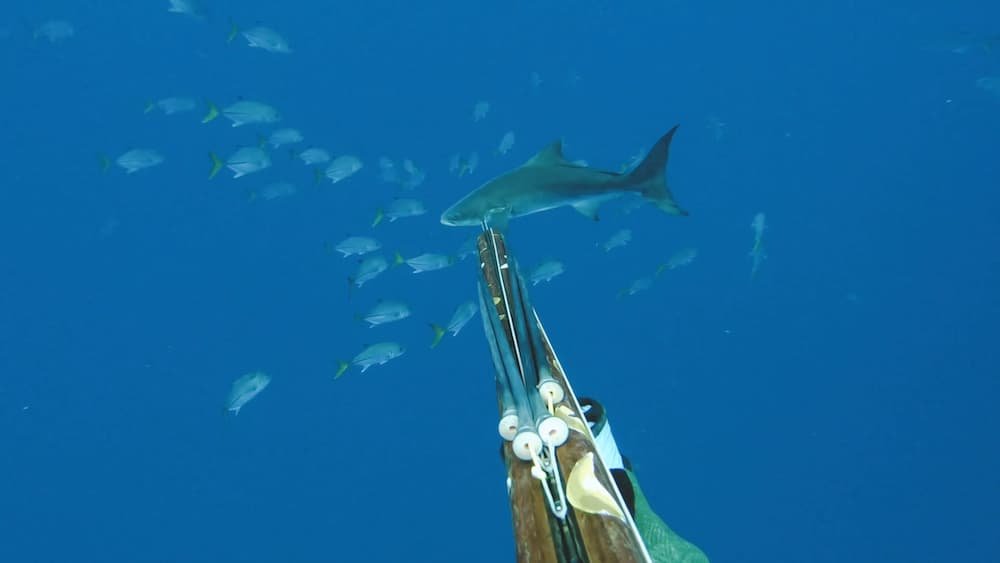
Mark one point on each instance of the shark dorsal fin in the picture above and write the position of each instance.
(551, 155)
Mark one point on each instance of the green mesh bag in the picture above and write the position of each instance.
(663, 544)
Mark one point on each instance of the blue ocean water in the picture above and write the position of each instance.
(841, 405)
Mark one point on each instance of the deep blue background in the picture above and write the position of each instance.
(842, 406)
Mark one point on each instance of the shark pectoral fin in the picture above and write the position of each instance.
(588, 208)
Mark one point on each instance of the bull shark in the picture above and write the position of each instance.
(548, 181)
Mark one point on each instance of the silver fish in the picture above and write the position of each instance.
(461, 165)
(351, 246)
(139, 159)
(369, 269)
(619, 239)
(413, 177)
(267, 39)
(248, 160)
(717, 127)
(400, 208)
(388, 171)
(376, 354)
(680, 258)
(637, 286)
(246, 388)
(276, 190)
(247, 112)
(191, 8)
(386, 312)
(545, 271)
(461, 317)
(170, 106)
(480, 111)
(429, 262)
(343, 167)
(506, 143)
(285, 136)
(314, 156)
(406, 174)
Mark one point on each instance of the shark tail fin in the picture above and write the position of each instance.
(650, 176)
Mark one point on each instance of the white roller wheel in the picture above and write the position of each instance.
(553, 431)
(525, 444)
(508, 427)
(553, 388)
